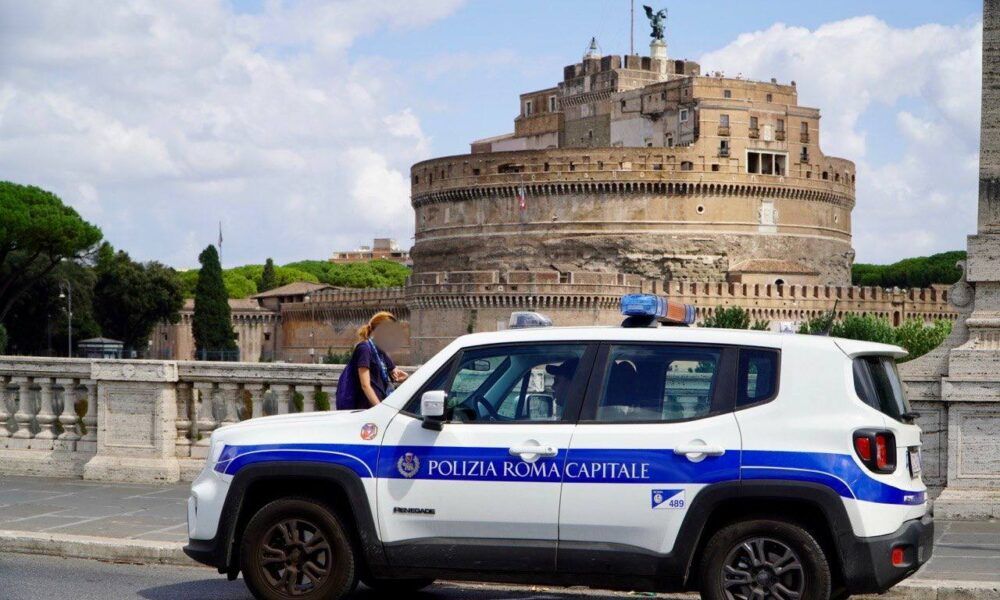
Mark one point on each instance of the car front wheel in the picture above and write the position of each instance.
(296, 548)
(764, 560)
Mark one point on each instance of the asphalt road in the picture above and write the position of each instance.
(24, 577)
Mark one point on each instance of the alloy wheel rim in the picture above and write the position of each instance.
(763, 568)
(295, 558)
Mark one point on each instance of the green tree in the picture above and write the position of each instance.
(733, 317)
(870, 328)
(268, 279)
(131, 298)
(37, 231)
(921, 271)
(212, 323)
(38, 321)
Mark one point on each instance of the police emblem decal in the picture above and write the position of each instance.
(408, 465)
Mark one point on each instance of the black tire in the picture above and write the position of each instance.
(296, 548)
(772, 557)
(395, 587)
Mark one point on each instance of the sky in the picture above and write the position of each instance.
(294, 123)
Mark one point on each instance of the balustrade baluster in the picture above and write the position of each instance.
(45, 417)
(270, 403)
(308, 397)
(282, 398)
(256, 400)
(207, 422)
(67, 415)
(23, 415)
(87, 391)
(184, 419)
(6, 410)
(228, 394)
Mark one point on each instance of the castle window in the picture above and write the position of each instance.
(727, 93)
(724, 148)
(779, 282)
(687, 165)
(545, 167)
(804, 127)
(590, 134)
(416, 179)
(572, 166)
(701, 209)
(836, 177)
(475, 171)
(527, 108)
(753, 122)
(724, 120)
(715, 167)
(826, 175)
(552, 104)
(770, 98)
(683, 115)
(430, 178)
(781, 124)
(623, 105)
(767, 163)
(670, 141)
(804, 157)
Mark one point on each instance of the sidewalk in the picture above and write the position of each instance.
(147, 523)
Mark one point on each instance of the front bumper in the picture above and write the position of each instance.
(207, 552)
(868, 563)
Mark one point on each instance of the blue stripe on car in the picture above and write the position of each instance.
(642, 466)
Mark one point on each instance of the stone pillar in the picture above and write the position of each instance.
(229, 395)
(256, 391)
(136, 422)
(970, 386)
(282, 398)
(205, 422)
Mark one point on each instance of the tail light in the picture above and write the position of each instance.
(876, 449)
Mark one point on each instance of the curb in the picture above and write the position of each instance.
(95, 548)
(942, 589)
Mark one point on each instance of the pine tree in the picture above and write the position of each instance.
(268, 281)
(212, 325)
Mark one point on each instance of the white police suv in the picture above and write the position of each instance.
(740, 464)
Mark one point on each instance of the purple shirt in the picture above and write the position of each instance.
(350, 396)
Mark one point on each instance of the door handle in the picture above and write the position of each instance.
(693, 450)
(537, 451)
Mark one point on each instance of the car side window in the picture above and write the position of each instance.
(658, 382)
(514, 383)
(758, 376)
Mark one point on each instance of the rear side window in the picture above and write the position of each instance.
(758, 376)
(877, 383)
(658, 383)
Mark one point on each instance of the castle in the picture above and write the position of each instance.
(633, 173)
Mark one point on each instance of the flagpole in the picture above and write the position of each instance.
(631, 29)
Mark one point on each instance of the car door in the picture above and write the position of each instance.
(484, 490)
(656, 429)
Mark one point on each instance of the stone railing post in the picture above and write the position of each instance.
(6, 411)
(256, 400)
(88, 438)
(308, 397)
(185, 416)
(46, 417)
(23, 413)
(206, 421)
(282, 398)
(137, 422)
(228, 397)
(67, 415)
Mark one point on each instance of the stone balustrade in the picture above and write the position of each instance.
(139, 420)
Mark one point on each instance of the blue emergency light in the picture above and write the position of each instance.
(644, 310)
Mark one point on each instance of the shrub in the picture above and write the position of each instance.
(322, 400)
(733, 317)
(298, 400)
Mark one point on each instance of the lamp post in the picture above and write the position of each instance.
(312, 342)
(66, 291)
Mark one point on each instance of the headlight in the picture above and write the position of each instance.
(215, 450)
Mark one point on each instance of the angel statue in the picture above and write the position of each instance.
(656, 21)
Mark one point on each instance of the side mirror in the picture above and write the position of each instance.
(432, 409)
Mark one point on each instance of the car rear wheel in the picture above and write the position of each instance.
(764, 560)
(295, 548)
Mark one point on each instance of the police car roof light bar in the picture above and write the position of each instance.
(648, 310)
(525, 319)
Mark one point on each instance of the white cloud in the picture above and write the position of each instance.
(916, 187)
(157, 120)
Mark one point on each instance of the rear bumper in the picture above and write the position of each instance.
(868, 566)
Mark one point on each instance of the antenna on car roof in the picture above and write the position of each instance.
(829, 323)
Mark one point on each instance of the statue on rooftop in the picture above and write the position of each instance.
(657, 21)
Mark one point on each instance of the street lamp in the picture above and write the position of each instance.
(66, 291)
(312, 325)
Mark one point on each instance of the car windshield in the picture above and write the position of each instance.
(877, 383)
